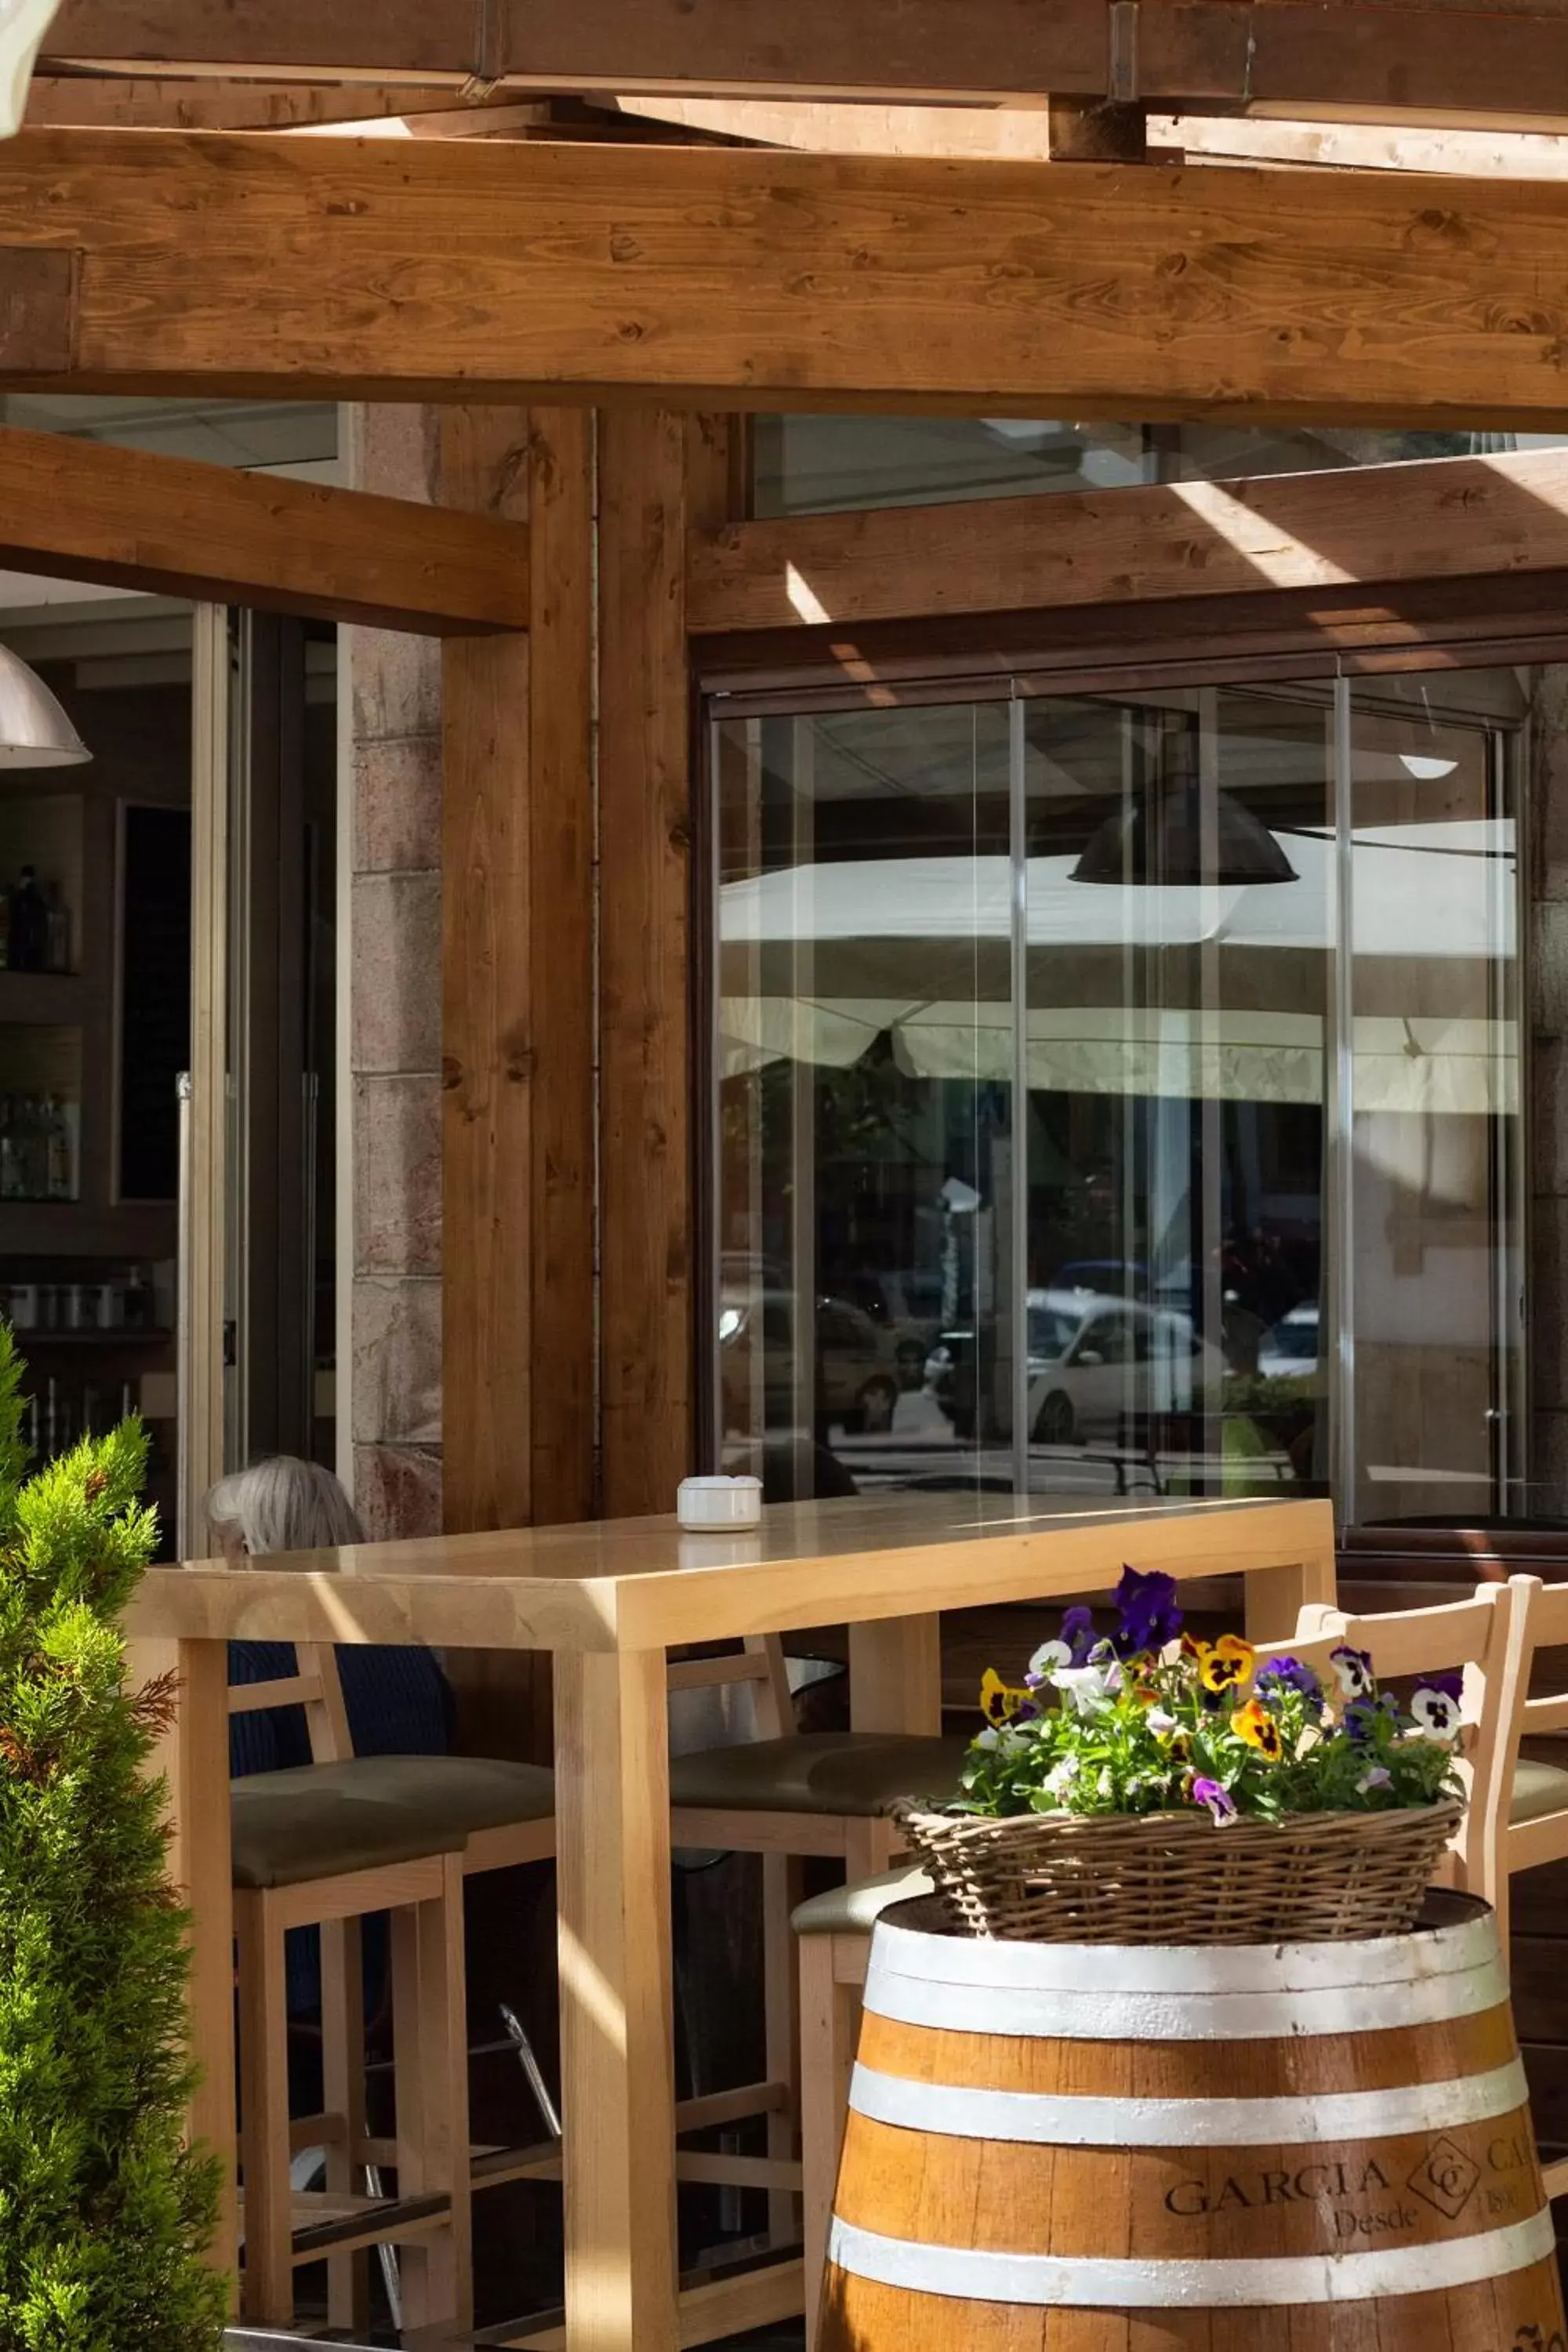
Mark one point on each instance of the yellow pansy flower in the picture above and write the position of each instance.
(1226, 1665)
(1254, 1724)
(999, 1703)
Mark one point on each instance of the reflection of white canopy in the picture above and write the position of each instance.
(1415, 1066)
(1432, 897)
(875, 919)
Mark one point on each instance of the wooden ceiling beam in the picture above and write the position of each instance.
(73, 509)
(320, 268)
(1426, 56)
(1448, 519)
(149, 102)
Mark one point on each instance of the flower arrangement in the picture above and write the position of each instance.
(1151, 1721)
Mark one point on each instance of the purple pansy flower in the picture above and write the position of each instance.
(1149, 1615)
(1353, 1672)
(1218, 1799)
(1435, 1706)
(1078, 1631)
(1276, 1677)
(1378, 1777)
(1364, 1715)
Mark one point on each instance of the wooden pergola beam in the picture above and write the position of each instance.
(71, 508)
(1448, 519)
(326, 268)
(1427, 57)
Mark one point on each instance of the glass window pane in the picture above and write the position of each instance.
(812, 465)
(1436, 1092)
(1180, 976)
(864, 1146)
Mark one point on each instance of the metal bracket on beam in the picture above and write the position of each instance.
(486, 76)
(1123, 70)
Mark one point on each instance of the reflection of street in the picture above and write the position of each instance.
(920, 1453)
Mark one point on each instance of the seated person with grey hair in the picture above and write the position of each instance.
(397, 1700)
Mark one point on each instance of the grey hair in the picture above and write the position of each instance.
(285, 1505)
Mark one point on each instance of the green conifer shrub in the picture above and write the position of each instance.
(104, 2213)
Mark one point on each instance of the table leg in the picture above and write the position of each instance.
(895, 1674)
(193, 1756)
(1277, 1596)
(618, 2059)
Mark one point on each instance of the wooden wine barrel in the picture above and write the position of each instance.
(1317, 2147)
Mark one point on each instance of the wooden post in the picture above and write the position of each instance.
(616, 2029)
(518, 1033)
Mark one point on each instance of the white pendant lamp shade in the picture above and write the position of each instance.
(23, 24)
(34, 732)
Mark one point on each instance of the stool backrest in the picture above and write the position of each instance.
(757, 1666)
(316, 1686)
(1476, 1636)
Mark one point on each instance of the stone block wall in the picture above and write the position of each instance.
(394, 684)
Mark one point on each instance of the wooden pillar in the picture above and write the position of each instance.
(518, 1035)
(517, 956)
(658, 473)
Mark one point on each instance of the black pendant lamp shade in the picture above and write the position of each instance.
(1156, 838)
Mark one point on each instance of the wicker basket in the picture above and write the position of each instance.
(1178, 1878)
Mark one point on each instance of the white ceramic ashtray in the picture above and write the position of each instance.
(707, 1505)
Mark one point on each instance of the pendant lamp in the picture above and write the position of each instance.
(23, 24)
(34, 732)
(1157, 840)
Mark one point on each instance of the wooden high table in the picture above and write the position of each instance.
(609, 1600)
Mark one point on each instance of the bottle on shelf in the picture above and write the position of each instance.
(57, 930)
(29, 929)
(57, 1138)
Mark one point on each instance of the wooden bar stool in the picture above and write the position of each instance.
(326, 1844)
(786, 1795)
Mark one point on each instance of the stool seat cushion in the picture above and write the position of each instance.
(854, 1774)
(1538, 1790)
(854, 1910)
(322, 1821)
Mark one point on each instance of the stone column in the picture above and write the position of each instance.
(394, 683)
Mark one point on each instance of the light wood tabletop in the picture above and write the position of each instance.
(610, 1599)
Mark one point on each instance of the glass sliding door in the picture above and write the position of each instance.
(1432, 1381)
(1119, 1092)
(1180, 1007)
(864, 1148)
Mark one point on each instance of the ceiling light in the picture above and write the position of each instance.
(34, 732)
(1158, 840)
(1423, 768)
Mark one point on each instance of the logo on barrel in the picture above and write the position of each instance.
(1446, 2178)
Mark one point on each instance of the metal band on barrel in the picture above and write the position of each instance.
(1062, 2013)
(955, 2113)
(967, 2274)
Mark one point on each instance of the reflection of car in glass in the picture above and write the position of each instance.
(1094, 1364)
(1290, 1349)
(855, 1383)
(1113, 1277)
(907, 1306)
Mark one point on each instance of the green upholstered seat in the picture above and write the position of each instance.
(853, 1774)
(855, 1910)
(324, 1820)
(1538, 1790)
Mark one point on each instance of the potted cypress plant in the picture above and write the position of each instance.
(104, 2211)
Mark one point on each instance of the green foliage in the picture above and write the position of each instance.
(1148, 1723)
(103, 2211)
